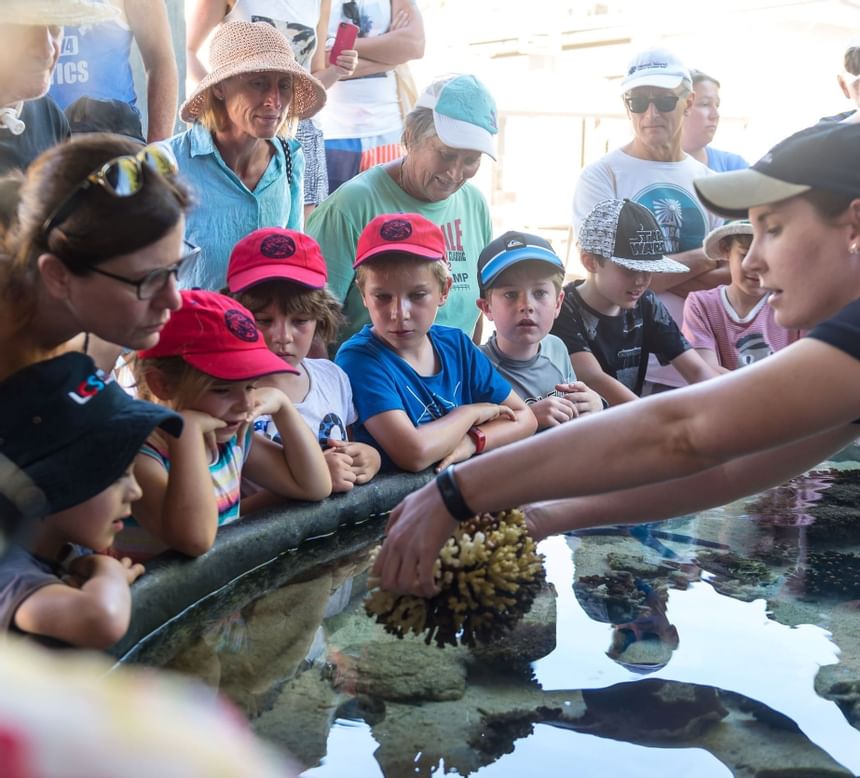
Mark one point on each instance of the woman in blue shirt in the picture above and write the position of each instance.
(244, 174)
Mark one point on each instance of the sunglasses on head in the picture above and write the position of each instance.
(156, 280)
(640, 103)
(119, 177)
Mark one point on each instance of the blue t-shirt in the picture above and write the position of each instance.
(723, 161)
(383, 381)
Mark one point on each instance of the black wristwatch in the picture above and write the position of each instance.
(452, 496)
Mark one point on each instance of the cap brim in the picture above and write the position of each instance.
(712, 241)
(239, 365)
(98, 459)
(463, 135)
(664, 265)
(413, 250)
(662, 82)
(732, 194)
(496, 266)
(245, 279)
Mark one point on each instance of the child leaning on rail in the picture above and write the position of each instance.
(206, 366)
(425, 394)
(280, 276)
(68, 438)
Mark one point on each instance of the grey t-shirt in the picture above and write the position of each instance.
(535, 378)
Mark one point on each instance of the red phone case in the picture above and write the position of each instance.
(345, 39)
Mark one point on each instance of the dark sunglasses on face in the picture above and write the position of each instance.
(640, 103)
(156, 280)
(119, 177)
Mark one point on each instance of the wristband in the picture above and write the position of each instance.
(451, 495)
(478, 438)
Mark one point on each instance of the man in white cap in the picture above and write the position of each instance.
(31, 32)
(653, 170)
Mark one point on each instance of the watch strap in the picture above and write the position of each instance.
(451, 495)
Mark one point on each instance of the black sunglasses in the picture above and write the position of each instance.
(640, 103)
(120, 177)
(156, 280)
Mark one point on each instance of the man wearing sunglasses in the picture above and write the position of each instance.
(31, 33)
(653, 170)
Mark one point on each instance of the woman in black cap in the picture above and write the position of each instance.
(713, 442)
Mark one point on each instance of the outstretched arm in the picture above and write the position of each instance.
(668, 436)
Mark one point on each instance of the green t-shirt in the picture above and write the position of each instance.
(463, 217)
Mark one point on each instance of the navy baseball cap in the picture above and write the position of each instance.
(67, 432)
(825, 156)
(509, 249)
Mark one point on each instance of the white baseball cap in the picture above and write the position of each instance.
(655, 67)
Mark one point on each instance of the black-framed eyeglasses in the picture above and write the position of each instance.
(640, 103)
(156, 280)
(119, 177)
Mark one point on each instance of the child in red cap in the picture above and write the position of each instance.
(206, 367)
(280, 276)
(425, 393)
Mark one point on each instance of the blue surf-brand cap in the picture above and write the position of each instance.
(509, 249)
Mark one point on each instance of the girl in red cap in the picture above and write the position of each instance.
(206, 366)
(280, 275)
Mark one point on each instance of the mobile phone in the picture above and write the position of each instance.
(345, 39)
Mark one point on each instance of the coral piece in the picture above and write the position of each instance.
(488, 573)
(828, 574)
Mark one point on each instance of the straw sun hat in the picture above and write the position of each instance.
(60, 12)
(254, 47)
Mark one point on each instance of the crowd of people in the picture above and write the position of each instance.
(168, 319)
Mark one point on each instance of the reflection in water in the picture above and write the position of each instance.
(689, 635)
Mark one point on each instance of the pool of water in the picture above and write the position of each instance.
(726, 643)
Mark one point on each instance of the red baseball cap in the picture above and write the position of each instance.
(218, 336)
(406, 233)
(275, 253)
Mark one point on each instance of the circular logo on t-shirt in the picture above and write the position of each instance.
(682, 220)
(396, 229)
(241, 325)
(278, 247)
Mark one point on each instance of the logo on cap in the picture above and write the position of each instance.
(241, 326)
(90, 387)
(514, 243)
(647, 243)
(396, 229)
(278, 247)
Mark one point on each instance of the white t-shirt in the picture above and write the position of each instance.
(327, 407)
(666, 189)
(296, 19)
(361, 107)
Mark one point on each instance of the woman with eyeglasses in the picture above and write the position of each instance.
(653, 170)
(718, 440)
(244, 173)
(95, 247)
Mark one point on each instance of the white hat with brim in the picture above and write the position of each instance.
(711, 245)
(657, 68)
(732, 194)
(254, 47)
(56, 12)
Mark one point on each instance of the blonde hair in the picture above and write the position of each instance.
(290, 299)
(392, 260)
(184, 382)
